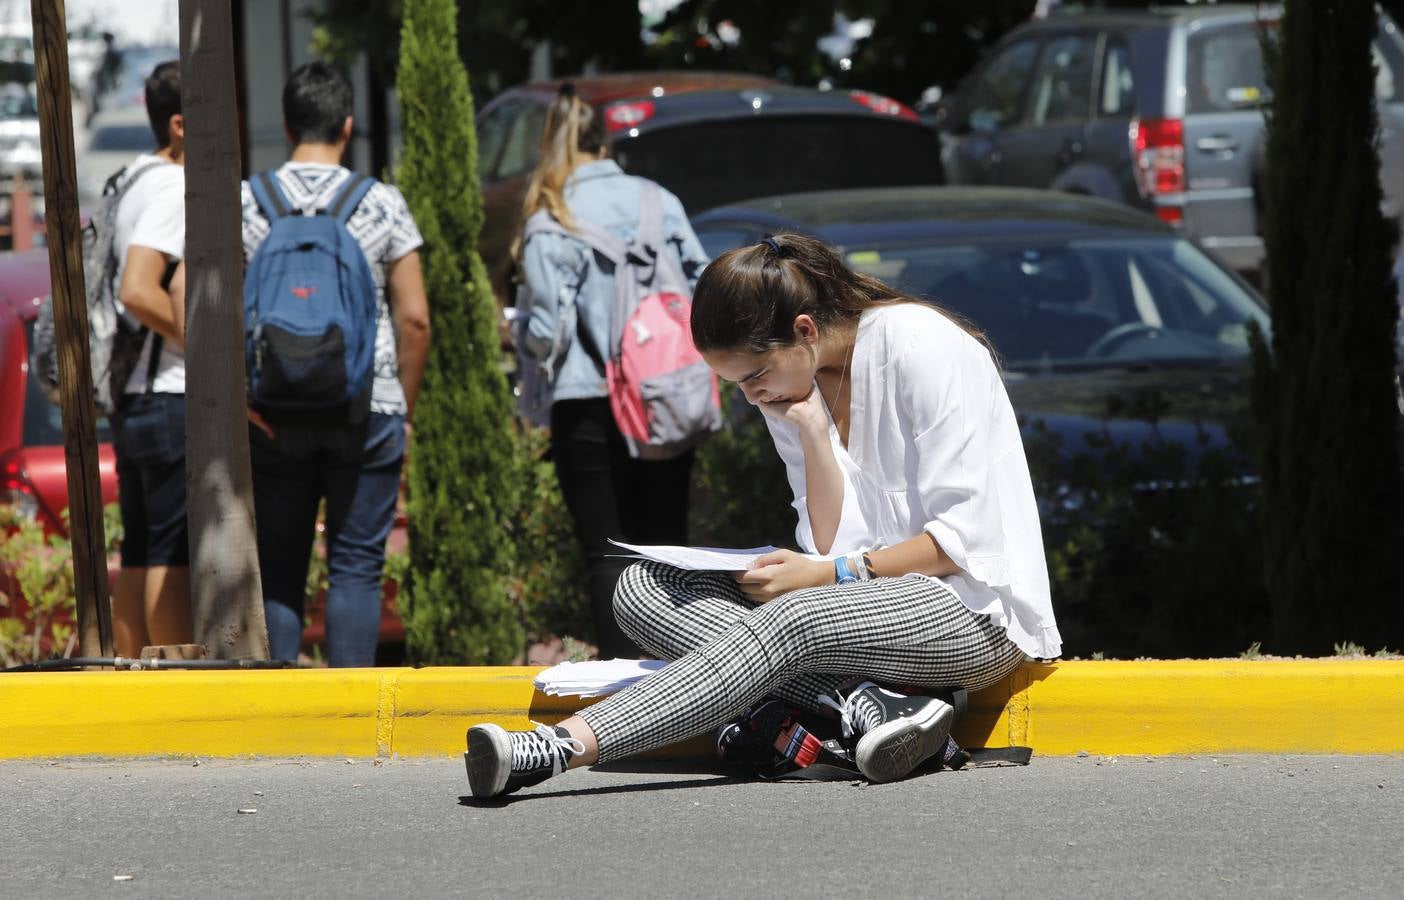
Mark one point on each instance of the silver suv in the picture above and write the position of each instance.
(1158, 109)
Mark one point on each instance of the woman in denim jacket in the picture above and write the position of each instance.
(563, 306)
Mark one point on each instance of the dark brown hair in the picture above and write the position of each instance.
(748, 298)
(163, 100)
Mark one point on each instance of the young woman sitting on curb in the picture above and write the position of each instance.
(907, 467)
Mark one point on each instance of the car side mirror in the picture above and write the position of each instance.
(947, 115)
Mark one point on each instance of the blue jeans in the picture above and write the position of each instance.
(357, 469)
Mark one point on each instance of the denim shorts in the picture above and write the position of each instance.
(148, 436)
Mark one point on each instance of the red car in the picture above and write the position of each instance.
(33, 474)
(32, 470)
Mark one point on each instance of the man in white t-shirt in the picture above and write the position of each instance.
(351, 462)
(151, 603)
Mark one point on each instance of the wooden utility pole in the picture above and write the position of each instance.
(64, 233)
(224, 579)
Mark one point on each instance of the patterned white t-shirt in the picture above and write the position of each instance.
(384, 228)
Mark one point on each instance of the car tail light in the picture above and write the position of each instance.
(884, 106)
(628, 115)
(15, 489)
(1158, 151)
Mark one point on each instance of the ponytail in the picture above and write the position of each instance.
(574, 135)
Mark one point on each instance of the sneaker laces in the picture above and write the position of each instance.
(858, 712)
(542, 747)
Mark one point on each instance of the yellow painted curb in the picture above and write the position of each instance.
(1113, 708)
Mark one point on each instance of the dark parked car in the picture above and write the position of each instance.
(1094, 307)
(1160, 109)
(710, 138)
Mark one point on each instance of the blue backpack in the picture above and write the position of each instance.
(309, 307)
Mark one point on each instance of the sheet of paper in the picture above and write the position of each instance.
(594, 678)
(702, 559)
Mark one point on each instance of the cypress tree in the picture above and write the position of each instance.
(1323, 394)
(465, 464)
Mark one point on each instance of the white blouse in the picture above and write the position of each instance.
(934, 446)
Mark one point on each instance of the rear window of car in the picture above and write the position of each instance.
(133, 138)
(709, 164)
(1225, 70)
(16, 102)
(43, 421)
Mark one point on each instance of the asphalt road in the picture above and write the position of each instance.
(1091, 827)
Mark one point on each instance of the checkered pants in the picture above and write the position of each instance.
(727, 653)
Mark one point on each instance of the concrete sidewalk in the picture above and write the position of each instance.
(1106, 708)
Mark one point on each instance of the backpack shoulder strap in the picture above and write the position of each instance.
(269, 196)
(350, 196)
(116, 188)
(650, 215)
(610, 247)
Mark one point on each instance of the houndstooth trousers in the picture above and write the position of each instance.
(728, 653)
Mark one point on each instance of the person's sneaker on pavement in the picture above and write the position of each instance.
(895, 733)
(501, 761)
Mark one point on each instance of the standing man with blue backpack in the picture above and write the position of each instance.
(336, 340)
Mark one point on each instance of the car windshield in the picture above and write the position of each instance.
(17, 101)
(1078, 304)
(43, 421)
(709, 164)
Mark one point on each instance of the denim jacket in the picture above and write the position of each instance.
(567, 286)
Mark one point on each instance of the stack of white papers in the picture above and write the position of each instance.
(703, 559)
(594, 678)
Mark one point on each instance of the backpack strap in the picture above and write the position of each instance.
(594, 236)
(650, 216)
(343, 207)
(269, 196)
(158, 340)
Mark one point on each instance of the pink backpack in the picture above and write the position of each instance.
(663, 395)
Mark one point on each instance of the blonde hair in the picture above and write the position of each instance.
(574, 135)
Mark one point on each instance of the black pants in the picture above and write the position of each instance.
(612, 495)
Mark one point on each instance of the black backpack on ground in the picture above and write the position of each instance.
(774, 741)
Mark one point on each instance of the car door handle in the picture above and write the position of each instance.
(1219, 143)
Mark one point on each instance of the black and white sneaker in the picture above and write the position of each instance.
(895, 732)
(501, 761)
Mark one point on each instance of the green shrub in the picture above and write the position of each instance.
(39, 569)
(1152, 550)
(548, 586)
(1324, 387)
(466, 467)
